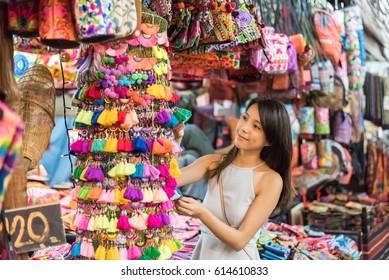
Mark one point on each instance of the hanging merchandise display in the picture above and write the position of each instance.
(354, 45)
(126, 169)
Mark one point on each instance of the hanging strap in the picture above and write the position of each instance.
(9, 248)
(224, 210)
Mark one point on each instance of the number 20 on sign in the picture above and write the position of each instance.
(36, 227)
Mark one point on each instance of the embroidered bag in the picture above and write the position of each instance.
(328, 32)
(23, 18)
(56, 28)
(94, 20)
(273, 59)
(124, 17)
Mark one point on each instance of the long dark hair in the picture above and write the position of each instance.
(278, 156)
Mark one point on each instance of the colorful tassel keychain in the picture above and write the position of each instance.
(76, 248)
(139, 145)
(174, 169)
(151, 253)
(182, 114)
(137, 222)
(133, 252)
(123, 222)
(167, 205)
(159, 196)
(165, 252)
(153, 221)
(132, 193)
(113, 253)
(147, 195)
(100, 253)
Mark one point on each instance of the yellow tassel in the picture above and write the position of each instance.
(165, 251)
(113, 253)
(171, 245)
(174, 169)
(100, 253)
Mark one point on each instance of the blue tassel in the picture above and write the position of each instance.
(95, 116)
(139, 145)
(76, 249)
(172, 122)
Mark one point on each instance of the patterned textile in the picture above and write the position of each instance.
(11, 129)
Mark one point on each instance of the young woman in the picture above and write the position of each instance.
(254, 178)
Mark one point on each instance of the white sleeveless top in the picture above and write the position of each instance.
(238, 192)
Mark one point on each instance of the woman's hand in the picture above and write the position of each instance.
(178, 132)
(187, 206)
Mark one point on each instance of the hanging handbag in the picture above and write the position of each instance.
(224, 211)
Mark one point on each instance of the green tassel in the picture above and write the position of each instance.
(152, 252)
(144, 257)
(178, 244)
(182, 114)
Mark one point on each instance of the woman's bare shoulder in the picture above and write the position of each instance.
(267, 178)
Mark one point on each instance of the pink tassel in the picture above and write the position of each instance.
(133, 252)
(84, 248)
(174, 218)
(103, 197)
(84, 223)
(137, 222)
(123, 255)
(167, 205)
(154, 173)
(164, 170)
(144, 216)
(171, 182)
(154, 221)
(73, 193)
(90, 251)
(169, 191)
(123, 223)
(111, 196)
(76, 146)
(77, 220)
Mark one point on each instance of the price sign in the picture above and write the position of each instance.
(35, 227)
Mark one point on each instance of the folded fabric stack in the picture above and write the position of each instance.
(344, 214)
(272, 251)
(283, 241)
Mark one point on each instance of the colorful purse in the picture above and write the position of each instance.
(273, 59)
(124, 17)
(94, 20)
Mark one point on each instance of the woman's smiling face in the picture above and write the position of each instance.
(249, 132)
